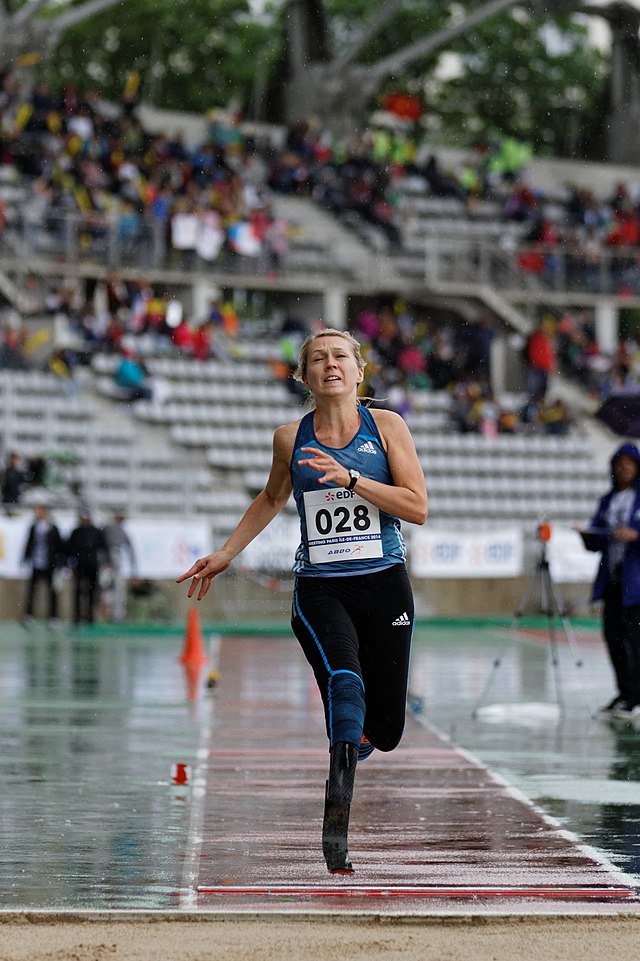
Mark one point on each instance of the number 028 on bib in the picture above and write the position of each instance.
(341, 526)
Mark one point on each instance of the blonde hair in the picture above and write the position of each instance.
(301, 371)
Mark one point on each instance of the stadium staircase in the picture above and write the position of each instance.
(319, 241)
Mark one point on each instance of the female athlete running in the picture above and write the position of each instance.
(354, 474)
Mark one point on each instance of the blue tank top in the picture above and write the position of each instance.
(340, 532)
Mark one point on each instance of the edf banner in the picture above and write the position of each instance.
(440, 553)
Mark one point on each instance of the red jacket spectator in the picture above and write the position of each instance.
(625, 231)
(540, 351)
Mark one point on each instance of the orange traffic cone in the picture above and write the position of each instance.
(193, 652)
(192, 671)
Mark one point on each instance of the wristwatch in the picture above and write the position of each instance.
(354, 477)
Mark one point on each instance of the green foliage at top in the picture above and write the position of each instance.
(191, 54)
(540, 82)
(515, 74)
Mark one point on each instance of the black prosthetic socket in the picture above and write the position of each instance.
(338, 794)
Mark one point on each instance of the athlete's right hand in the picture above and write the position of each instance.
(203, 572)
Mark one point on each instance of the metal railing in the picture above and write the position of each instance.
(533, 268)
(114, 242)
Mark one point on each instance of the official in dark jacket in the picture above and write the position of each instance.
(86, 551)
(615, 532)
(43, 552)
(13, 482)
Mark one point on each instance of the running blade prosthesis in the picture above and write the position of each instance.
(338, 794)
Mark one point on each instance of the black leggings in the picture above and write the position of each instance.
(360, 625)
(621, 629)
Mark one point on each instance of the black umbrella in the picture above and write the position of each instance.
(621, 412)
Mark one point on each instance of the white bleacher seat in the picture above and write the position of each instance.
(227, 409)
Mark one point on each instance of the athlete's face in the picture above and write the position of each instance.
(332, 368)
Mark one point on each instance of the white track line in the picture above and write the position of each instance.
(193, 846)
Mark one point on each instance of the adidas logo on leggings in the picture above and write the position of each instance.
(402, 621)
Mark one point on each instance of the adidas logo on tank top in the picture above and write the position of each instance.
(367, 448)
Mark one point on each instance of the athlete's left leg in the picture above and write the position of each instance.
(385, 628)
(329, 640)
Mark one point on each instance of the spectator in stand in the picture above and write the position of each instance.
(182, 337)
(43, 552)
(13, 483)
(132, 375)
(440, 363)
(201, 342)
(466, 408)
(540, 361)
(442, 184)
(118, 295)
(521, 203)
(155, 319)
(62, 363)
(621, 373)
(508, 159)
(12, 345)
(475, 410)
(184, 234)
(367, 324)
(553, 417)
(276, 243)
(230, 320)
(387, 343)
(478, 338)
(86, 552)
(113, 334)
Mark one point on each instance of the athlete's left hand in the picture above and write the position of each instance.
(327, 466)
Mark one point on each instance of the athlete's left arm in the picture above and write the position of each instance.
(406, 498)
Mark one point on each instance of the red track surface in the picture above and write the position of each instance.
(428, 822)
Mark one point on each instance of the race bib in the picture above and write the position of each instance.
(341, 526)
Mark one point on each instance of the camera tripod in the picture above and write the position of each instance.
(540, 584)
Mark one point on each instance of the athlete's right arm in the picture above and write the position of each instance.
(258, 515)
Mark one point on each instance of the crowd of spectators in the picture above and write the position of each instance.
(570, 238)
(94, 161)
(360, 177)
(406, 350)
(131, 319)
(581, 242)
(98, 181)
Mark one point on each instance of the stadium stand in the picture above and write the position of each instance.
(203, 444)
(472, 479)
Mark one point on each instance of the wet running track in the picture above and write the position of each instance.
(128, 784)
